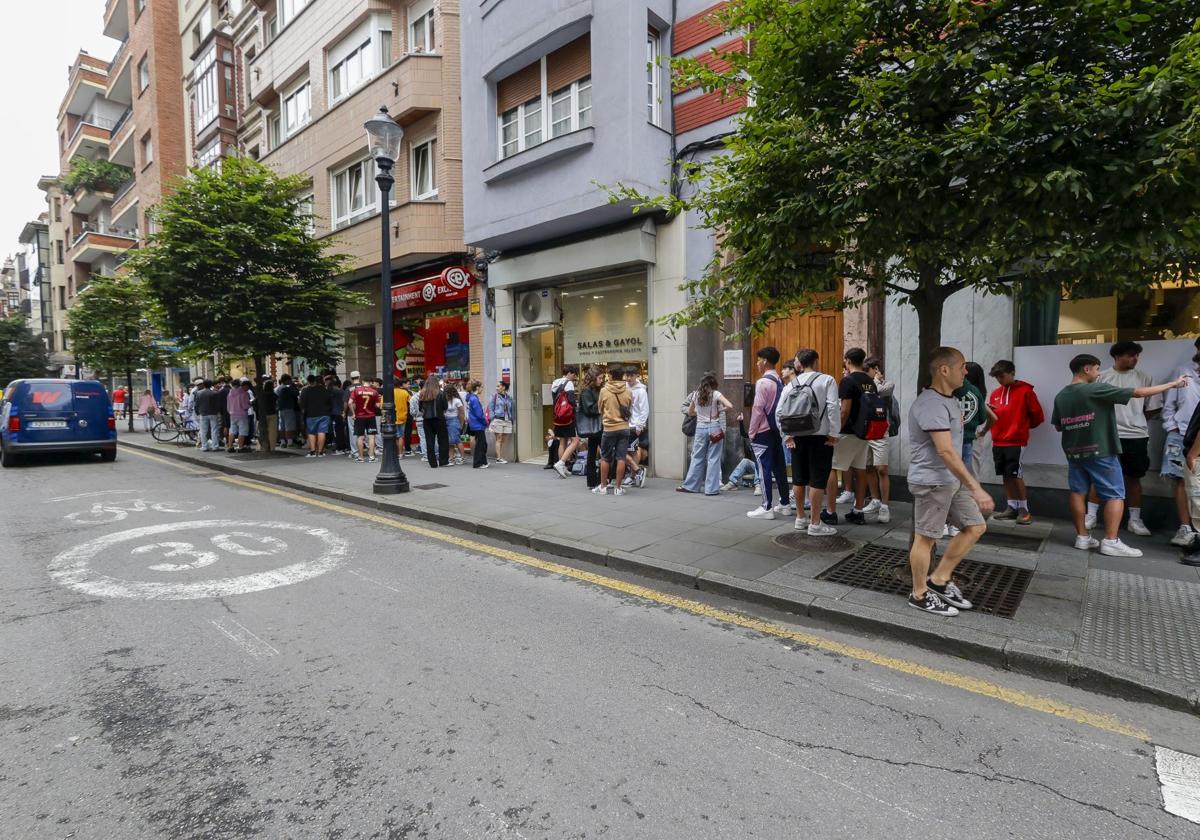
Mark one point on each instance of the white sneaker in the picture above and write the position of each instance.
(1183, 537)
(728, 485)
(872, 506)
(784, 510)
(802, 523)
(820, 529)
(620, 491)
(501, 461)
(757, 489)
(761, 513)
(885, 515)
(1137, 526)
(845, 497)
(1086, 542)
(949, 531)
(1089, 521)
(561, 469)
(1116, 548)
(484, 466)
(600, 490)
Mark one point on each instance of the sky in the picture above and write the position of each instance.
(39, 40)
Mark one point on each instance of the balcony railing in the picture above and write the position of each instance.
(116, 59)
(98, 122)
(121, 120)
(125, 188)
(104, 229)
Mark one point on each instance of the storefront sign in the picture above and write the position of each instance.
(506, 338)
(605, 323)
(451, 285)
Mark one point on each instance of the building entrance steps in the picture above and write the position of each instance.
(1117, 625)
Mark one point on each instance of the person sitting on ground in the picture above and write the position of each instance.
(746, 465)
(1083, 412)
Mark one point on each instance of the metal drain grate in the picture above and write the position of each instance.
(429, 486)
(994, 589)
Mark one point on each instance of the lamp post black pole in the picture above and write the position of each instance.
(391, 478)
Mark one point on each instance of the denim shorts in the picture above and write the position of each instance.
(1172, 462)
(1102, 473)
(239, 426)
(318, 425)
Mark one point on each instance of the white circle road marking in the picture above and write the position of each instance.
(71, 568)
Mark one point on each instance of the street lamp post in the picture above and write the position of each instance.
(383, 141)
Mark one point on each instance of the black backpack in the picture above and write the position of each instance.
(873, 421)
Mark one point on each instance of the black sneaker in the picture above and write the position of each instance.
(829, 518)
(951, 594)
(856, 517)
(1191, 557)
(931, 603)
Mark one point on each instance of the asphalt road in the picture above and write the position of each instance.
(182, 656)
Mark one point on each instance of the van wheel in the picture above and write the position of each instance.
(7, 459)
(108, 455)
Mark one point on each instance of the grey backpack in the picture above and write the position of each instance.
(800, 412)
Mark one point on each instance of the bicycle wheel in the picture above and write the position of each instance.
(164, 432)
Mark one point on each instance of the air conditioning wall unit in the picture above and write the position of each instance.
(538, 308)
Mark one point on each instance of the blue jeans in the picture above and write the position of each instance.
(210, 430)
(745, 466)
(421, 435)
(705, 467)
(1102, 473)
(454, 430)
(968, 448)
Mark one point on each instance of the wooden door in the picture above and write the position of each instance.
(822, 331)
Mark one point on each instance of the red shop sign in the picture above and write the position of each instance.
(452, 284)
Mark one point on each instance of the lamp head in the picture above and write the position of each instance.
(383, 136)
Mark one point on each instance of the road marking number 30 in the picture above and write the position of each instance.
(233, 542)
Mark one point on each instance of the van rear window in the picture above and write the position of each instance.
(49, 396)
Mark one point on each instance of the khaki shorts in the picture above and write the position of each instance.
(879, 452)
(851, 451)
(501, 427)
(934, 505)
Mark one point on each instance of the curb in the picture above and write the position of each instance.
(1069, 667)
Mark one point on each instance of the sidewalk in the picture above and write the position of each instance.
(1123, 626)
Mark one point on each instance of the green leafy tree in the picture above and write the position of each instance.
(916, 149)
(113, 326)
(22, 354)
(235, 269)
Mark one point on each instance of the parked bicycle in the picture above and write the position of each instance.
(174, 427)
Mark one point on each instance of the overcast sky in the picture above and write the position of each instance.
(39, 40)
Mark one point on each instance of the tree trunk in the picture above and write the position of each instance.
(129, 397)
(929, 305)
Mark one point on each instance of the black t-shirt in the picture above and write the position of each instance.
(315, 401)
(851, 388)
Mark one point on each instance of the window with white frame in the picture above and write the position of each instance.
(274, 131)
(147, 150)
(422, 28)
(271, 27)
(353, 193)
(424, 170)
(653, 77)
(209, 155)
(288, 9)
(143, 73)
(305, 209)
(521, 127)
(297, 109)
(359, 56)
(205, 75)
(571, 107)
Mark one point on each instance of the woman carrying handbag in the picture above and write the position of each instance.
(708, 406)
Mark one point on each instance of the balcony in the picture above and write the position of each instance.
(97, 240)
(120, 77)
(90, 139)
(120, 146)
(124, 206)
(116, 19)
(88, 198)
(88, 78)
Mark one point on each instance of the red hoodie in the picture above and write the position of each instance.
(1017, 411)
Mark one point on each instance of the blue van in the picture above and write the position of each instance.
(56, 415)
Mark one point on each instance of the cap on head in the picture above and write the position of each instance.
(355, 375)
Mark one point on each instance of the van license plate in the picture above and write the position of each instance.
(48, 424)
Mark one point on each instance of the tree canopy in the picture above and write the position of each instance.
(113, 326)
(920, 148)
(235, 269)
(22, 354)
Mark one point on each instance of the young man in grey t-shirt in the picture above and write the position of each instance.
(942, 487)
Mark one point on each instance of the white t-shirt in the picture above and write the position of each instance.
(1131, 418)
(709, 412)
(453, 409)
(561, 382)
